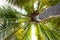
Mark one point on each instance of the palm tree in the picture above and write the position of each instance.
(35, 25)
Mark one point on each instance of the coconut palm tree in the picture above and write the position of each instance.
(37, 24)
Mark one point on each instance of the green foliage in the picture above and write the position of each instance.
(43, 4)
(8, 12)
(8, 16)
(51, 28)
(28, 5)
(48, 29)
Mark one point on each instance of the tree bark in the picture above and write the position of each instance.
(51, 11)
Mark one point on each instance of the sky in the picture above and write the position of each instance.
(1, 2)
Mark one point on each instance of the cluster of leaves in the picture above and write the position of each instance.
(8, 16)
(46, 30)
(43, 4)
(8, 12)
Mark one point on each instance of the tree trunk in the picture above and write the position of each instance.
(51, 11)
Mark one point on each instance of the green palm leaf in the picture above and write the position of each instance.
(30, 29)
(44, 4)
(50, 30)
(28, 5)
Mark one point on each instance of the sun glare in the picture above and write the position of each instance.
(1, 2)
(35, 5)
(33, 33)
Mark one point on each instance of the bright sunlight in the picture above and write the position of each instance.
(33, 33)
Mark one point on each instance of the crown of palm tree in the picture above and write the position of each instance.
(32, 29)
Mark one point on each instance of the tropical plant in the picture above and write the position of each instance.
(31, 26)
(8, 16)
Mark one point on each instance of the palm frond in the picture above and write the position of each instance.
(20, 2)
(28, 5)
(51, 28)
(48, 29)
(8, 12)
(22, 33)
(44, 4)
(9, 16)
